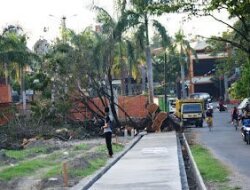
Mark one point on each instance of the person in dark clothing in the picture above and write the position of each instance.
(235, 115)
(221, 104)
(108, 132)
(209, 113)
(209, 118)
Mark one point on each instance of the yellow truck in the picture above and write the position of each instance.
(190, 112)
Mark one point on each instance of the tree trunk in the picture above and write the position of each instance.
(23, 89)
(226, 98)
(122, 72)
(130, 78)
(183, 91)
(53, 91)
(143, 76)
(149, 65)
(6, 73)
(53, 88)
(112, 99)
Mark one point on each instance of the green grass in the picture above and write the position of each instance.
(116, 148)
(211, 169)
(93, 166)
(22, 154)
(27, 168)
(24, 169)
(55, 170)
(80, 147)
(77, 172)
(225, 187)
(54, 156)
(101, 148)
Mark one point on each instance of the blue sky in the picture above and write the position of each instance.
(33, 16)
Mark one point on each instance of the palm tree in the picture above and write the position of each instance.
(134, 60)
(183, 47)
(138, 17)
(8, 42)
(14, 52)
(114, 28)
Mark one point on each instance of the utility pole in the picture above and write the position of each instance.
(63, 28)
(165, 84)
(183, 92)
(182, 60)
(229, 55)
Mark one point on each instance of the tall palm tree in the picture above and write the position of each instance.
(8, 42)
(14, 52)
(139, 17)
(114, 28)
(183, 47)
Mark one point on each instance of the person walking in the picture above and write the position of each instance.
(108, 132)
(235, 117)
(209, 118)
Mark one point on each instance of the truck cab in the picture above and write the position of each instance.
(190, 112)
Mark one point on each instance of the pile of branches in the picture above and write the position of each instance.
(21, 128)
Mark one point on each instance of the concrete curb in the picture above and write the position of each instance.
(198, 178)
(184, 181)
(87, 182)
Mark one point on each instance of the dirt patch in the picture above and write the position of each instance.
(78, 155)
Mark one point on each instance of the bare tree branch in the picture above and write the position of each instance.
(230, 26)
(238, 45)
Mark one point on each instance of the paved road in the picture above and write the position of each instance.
(226, 143)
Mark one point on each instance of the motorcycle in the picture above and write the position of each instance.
(245, 130)
(221, 107)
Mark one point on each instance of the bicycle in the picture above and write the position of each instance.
(209, 123)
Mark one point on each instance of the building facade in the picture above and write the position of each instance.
(201, 71)
(202, 67)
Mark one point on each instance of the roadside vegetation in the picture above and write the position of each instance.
(214, 173)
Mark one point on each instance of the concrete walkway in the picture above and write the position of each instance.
(151, 164)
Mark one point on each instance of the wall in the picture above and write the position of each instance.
(5, 114)
(5, 99)
(5, 94)
(135, 106)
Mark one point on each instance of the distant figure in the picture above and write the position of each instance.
(108, 132)
(235, 115)
(221, 105)
(209, 118)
